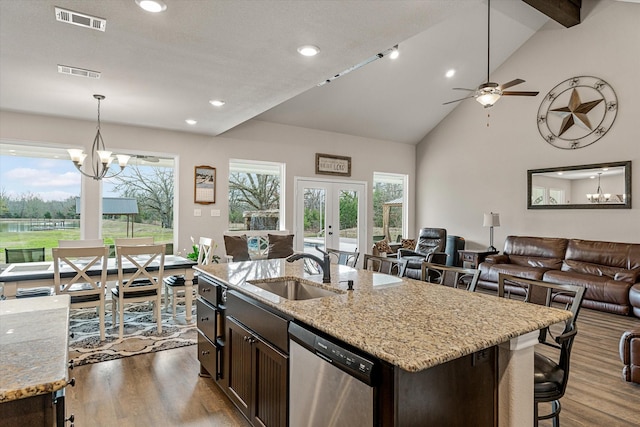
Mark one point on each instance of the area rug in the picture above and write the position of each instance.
(140, 335)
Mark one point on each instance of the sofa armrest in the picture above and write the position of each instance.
(497, 259)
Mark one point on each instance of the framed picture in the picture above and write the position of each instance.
(328, 164)
(205, 185)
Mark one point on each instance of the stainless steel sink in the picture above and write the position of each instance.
(294, 289)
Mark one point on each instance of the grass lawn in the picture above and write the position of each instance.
(49, 238)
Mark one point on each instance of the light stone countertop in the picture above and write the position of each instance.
(34, 346)
(411, 324)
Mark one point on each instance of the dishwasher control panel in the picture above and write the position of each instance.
(331, 351)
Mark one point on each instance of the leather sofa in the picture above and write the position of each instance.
(607, 270)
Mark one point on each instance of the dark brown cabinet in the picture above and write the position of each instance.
(256, 371)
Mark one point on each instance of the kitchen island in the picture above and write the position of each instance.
(410, 325)
(34, 349)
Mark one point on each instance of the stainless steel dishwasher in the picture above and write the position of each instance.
(329, 385)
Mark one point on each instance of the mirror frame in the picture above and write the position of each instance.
(627, 185)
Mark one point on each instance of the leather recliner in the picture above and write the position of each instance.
(430, 247)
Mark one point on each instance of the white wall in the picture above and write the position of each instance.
(254, 140)
(465, 168)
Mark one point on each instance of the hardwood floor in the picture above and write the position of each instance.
(164, 389)
(156, 389)
(596, 394)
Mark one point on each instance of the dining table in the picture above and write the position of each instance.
(40, 274)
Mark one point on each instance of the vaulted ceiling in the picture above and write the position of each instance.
(157, 70)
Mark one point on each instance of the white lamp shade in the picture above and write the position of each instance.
(491, 220)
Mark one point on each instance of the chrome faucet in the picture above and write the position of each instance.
(325, 263)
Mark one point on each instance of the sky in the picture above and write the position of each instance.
(50, 179)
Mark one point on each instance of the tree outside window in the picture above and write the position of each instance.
(255, 195)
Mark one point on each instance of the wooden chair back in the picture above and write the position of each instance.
(140, 257)
(455, 277)
(205, 251)
(80, 260)
(85, 243)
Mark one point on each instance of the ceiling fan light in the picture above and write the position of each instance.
(488, 99)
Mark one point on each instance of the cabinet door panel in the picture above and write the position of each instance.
(238, 366)
(270, 399)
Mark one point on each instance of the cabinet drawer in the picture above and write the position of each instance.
(207, 320)
(209, 356)
(468, 257)
(210, 291)
(268, 325)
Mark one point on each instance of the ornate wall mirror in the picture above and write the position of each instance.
(597, 186)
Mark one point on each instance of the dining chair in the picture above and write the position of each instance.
(142, 285)
(85, 290)
(348, 258)
(133, 241)
(551, 374)
(13, 256)
(455, 277)
(82, 243)
(174, 286)
(386, 265)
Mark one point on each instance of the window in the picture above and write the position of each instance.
(255, 201)
(389, 201)
(146, 185)
(37, 197)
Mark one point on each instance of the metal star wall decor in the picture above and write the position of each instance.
(566, 121)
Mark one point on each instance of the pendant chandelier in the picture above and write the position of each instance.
(100, 158)
(598, 196)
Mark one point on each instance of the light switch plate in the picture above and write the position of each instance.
(215, 212)
(197, 212)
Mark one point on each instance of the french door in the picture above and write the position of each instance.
(330, 214)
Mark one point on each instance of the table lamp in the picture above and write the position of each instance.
(491, 220)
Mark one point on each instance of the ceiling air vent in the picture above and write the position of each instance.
(80, 19)
(80, 72)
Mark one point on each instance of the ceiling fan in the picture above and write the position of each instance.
(489, 93)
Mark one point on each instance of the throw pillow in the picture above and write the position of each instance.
(280, 246)
(236, 246)
(408, 244)
(383, 246)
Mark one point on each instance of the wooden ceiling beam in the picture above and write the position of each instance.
(566, 12)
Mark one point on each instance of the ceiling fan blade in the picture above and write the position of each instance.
(511, 83)
(457, 100)
(516, 93)
(463, 88)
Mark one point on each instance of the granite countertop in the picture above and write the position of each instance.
(411, 324)
(34, 346)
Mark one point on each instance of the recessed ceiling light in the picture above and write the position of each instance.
(308, 50)
(191, 121)
(154, 6)
(394, 52)
(560, 173)
(217, 102)
(450, 73)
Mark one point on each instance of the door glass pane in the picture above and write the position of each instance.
(315, 203)
(348, 232)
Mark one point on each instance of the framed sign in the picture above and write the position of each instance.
(205, 185)
(328, 164)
